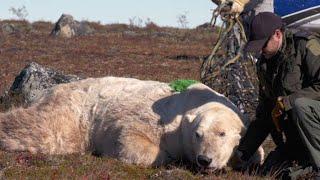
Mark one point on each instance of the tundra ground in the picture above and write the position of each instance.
(149, 53)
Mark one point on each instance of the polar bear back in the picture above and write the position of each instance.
(116, 96)
(139, 96)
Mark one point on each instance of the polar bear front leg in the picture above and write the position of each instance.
(138, 148)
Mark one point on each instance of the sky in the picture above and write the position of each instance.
(163, 12)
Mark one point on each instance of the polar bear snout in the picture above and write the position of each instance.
(203, 160)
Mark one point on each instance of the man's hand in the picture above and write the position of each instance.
(277, 111)
(236, 161)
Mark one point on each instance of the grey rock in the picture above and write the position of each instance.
(19, 29)
(32, 82)
(204, 26)
(130, 33)
(8, 28)
(67, 27)
(84, 29)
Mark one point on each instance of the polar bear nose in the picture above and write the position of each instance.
(204, 160)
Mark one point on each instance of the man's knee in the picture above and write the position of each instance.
(304, 108)
(300, 104)
(299, 109)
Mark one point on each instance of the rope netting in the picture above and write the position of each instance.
(227, 69)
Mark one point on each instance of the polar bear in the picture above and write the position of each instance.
(135, 121)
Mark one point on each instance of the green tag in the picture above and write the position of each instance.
(181, 85)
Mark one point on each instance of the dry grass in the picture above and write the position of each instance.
(157, 53)
(27, 166)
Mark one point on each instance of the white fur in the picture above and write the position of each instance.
(141, 122)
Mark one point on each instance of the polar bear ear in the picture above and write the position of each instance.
(190, 117)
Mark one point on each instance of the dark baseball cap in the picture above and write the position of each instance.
(262, 27)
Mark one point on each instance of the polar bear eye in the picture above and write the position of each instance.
(221, 134)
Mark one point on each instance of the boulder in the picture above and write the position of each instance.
(8, 28)
(204, 26)
(17, 28)
(31, 83)
(67, 27)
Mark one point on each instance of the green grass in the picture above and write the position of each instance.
(181, 85)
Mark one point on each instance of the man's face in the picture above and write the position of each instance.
(273, 45)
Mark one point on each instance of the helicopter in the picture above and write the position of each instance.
(298, 14)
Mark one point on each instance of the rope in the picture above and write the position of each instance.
(229, 20)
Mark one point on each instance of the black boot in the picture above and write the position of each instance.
(299, 172)
(276, 161)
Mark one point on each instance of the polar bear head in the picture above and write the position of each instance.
(211, 135)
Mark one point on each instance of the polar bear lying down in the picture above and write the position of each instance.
(140, 122)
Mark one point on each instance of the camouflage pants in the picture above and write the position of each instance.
(302, 131)
(305, 121)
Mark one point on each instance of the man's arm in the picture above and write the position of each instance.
(259, 129)
(311, 64)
